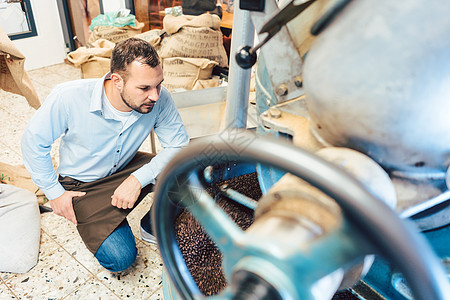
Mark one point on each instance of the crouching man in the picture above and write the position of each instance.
(102, 176)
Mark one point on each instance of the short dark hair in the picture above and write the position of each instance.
(129, 50)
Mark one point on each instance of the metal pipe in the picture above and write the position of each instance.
(423, 206)
(239, 79)
(238, 197)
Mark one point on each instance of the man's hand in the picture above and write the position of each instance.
(126, 193)
(62, 206)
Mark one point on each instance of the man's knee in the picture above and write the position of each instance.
(118, 251)
(116, 261)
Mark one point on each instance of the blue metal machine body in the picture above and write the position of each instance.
(388, 283)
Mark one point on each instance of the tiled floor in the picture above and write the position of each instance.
(66, 269)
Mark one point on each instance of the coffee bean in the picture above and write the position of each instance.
(200, 253)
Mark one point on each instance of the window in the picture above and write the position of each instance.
(16, 19)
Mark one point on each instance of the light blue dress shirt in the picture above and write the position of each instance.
(94, 144)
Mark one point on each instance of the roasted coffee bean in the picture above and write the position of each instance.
(200, 253)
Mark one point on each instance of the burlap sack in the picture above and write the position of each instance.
(206, 83)
(172, 24)
(115, 34)
(94, 61)
(100, 48)
(95, 67)
(13, 77)
(195, 37)
(153, 37)
(183, 73)
(21, 178)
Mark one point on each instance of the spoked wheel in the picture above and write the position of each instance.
(256, 265)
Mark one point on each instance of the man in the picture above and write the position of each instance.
(103, 122)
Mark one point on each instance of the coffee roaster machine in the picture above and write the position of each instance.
(352, 154)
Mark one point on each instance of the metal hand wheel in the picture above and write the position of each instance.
(287, 275)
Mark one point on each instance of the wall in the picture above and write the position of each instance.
(48, 47)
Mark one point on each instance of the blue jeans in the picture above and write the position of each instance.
(118, 251)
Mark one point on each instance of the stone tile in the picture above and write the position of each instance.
(58, 228)
(5, 276)
(77, 249)
(147, 145)
(11, 131)
(40, 74)
(47, 246)
(69, 72)
(3, 94)
(5, 292)
(134, 218)
(41, 90)
(92, 289)
(9, 156)
(46, 77)
(55, 276)
(54, 153)
(157, 295)
(16, 105)
(51, 80)
(140, 280)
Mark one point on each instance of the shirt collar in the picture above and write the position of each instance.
(96, 97)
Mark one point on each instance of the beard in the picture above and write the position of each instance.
(143, 109)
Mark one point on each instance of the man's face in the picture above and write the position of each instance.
(142, 87)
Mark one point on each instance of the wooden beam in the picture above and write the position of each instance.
(82, 12)
(92, 9)
(142, 13)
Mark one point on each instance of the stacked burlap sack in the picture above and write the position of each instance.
(114, 26)
(192, 48)
(189, 47)
(94, 60)
(115, 34)
(106, 30)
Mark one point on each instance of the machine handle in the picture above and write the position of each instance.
(246, 56)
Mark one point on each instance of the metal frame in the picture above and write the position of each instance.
(26, 7)
(396, 239)
(66, 25)
(238, 79)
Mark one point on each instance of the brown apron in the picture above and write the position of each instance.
(97, 218)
